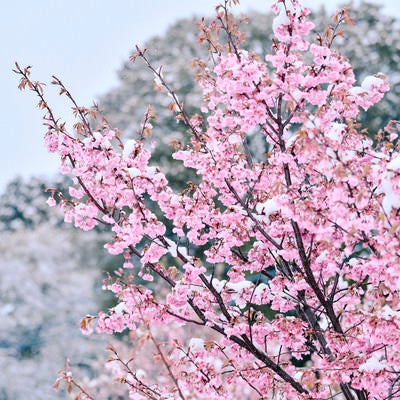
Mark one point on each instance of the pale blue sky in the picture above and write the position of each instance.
(83, 42)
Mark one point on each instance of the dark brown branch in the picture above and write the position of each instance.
(251, 216)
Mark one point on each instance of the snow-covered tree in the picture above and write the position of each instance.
(47, 283)
(50, 276)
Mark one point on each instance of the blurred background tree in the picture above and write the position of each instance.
(50, 277)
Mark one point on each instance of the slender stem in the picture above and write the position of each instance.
(167, 366)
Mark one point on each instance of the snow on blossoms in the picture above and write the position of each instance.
(282, 270)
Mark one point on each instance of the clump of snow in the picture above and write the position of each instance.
(336, 132)
(388, 312)
(386, 186)
(239, 286)
(394, 164)
(151, 171)
(174, 249)
(237, 289)
(157, 76)
(280, 19)
(218, 285)
(128, 148)
(140, 373)
(357, 90)
(371, 81)
(261, 294)
(120, 308)
(331, 153)
(372, 364)
(134, 172)
(196, 344)
(267, 208)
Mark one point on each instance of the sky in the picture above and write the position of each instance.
(84, 43)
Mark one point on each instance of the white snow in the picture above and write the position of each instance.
(97, 135)
(183, 252)
(157, 76)
(128, 148)
(371, 81)
(357, 90)
(336, 132)
(330, 153)
(176, 99)
(218, 285)
(239, 286)
(267, 208)
(236, 291)
(134, 172)
(196, 344)
(151, 171)
(388, 202)
(347, 155)
(394, 164)
(175, 199)
(172, 247)
(157, 80)
(372, 364)
(260, 290)
(391, 199)
(140, 373)
(280, 19)
(120, 308)
(297, 95)
(342, 284)
(388, 311)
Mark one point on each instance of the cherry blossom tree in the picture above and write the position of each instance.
(272, 277)
(370, 41)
